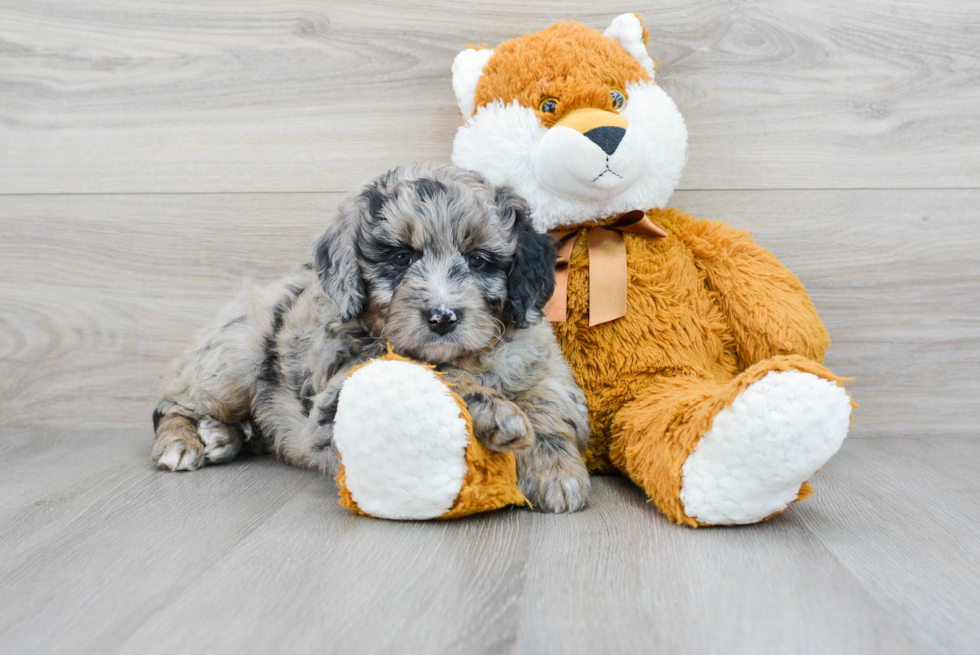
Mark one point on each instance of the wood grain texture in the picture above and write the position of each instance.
(909, 496)
(255, 556)
(312, 95)
(192, 133)
(98, 294)
(770, 589)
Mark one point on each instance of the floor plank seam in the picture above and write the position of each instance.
(344, 191)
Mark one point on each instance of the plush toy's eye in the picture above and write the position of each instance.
(403, 258)
(548, 105)
(618, 99)
(477, 261)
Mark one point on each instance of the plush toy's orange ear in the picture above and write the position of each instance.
(629, 31)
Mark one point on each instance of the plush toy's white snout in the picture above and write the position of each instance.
(590, 154)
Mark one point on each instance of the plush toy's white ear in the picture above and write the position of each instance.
(467, 69)
(628, 31)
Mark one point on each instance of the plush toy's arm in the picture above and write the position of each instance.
(407, 449)
(767, 307)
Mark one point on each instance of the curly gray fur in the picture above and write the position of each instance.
(418, 239)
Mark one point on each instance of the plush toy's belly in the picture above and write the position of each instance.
(673, 326)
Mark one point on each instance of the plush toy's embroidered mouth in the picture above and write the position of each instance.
(608, 170)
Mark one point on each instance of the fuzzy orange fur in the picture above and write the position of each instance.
(709, 311)
(491, 478)
(569, 62)
(696, 333)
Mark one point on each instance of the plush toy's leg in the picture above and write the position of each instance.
(407, 449)
(732, 452)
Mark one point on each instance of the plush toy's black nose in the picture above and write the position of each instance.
(606, 137)
(442, 319)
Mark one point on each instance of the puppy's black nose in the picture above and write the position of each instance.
(442, 319)
(606, 137)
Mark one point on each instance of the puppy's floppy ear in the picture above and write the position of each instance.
(335, 257)
(532, 275)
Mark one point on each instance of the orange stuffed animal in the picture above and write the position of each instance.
(698, 351)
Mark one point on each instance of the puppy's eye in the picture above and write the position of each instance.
(477, 262)
(403, 258)
(548, 105)
(618, 98)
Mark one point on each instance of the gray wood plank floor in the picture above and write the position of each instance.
(98, 293)
(262, 95)
(152, 154)
(100, 552)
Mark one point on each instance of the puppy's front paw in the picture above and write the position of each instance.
(560, 486)
(177, 446)
(499, 424)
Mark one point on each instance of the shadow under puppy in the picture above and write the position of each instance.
(441, 265)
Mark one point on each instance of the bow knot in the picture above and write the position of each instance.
(608, 271)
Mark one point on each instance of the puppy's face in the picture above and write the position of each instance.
(436, 261)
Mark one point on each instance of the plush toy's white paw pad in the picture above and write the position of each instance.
(401, 440)
(777, 433)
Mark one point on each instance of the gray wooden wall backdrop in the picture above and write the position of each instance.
(154, 152)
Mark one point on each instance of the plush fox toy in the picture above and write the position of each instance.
(699, 353)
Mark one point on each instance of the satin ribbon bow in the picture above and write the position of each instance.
(607, 266)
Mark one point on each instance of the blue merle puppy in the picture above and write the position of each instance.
(433, 260)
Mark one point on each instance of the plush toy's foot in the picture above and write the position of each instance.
(402, 441)
(407, 448)
(760, 450)
(730, 452)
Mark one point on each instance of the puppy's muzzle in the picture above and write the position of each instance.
(442, 319)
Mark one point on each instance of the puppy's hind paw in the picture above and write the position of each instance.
(180, 455)
(177, 447)
(222, 442)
